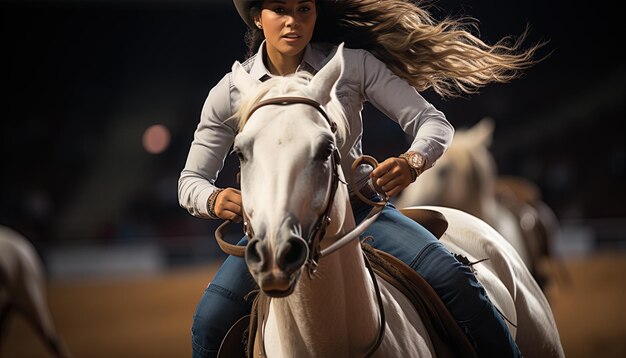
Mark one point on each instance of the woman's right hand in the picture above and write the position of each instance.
(228, 205)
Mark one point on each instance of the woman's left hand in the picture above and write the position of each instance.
(392, 175)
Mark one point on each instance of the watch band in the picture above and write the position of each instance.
(416, 168)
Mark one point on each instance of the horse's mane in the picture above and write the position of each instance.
(291, 85)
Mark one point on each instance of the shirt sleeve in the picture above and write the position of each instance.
(212, 140)
(398, 100)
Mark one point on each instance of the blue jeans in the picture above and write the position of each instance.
(223, 302)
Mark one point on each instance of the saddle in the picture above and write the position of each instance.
(447, 337)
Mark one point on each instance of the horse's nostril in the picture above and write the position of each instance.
(292, 254)
(254, 253)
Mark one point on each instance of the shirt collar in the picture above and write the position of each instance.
(258, 70)
(311, 62)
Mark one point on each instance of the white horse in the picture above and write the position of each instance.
(466, 178)
(22, 289)
(289, 173)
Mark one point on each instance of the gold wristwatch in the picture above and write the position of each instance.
(416, 162)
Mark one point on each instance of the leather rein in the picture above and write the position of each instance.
(319, 230)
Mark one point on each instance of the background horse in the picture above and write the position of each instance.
(296, 209)
(22, 289)
(466, 178)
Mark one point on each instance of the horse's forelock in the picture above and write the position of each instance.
(292, 85)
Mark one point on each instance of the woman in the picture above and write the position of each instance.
(397, 49)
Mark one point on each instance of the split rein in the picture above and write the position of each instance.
(319, 230)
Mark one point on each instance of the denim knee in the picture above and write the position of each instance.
(217, 311)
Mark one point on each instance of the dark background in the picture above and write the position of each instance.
(83, 80)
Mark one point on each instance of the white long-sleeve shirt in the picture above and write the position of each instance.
(365, 78)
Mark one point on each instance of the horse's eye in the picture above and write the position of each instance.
(325, 152)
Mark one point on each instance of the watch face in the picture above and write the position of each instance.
(417, 161)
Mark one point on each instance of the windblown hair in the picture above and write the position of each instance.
(443, 55)
(291, 85)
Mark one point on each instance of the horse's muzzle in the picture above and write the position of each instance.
(276, 268)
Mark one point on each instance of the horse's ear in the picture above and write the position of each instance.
(483, 131)
(242, 80)
(324, 82)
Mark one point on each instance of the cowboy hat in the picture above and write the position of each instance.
(243, 8)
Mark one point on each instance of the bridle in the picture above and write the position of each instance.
(319, 230)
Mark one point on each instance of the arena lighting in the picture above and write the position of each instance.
(156, 139)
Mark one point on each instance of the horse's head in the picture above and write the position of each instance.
(462, 177)
(289, 169)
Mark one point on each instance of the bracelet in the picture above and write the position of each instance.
(211, 202)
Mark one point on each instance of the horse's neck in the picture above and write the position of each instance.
(489, 209)
(479, 197)
(484, 170)
(333, 314)
(478, 202)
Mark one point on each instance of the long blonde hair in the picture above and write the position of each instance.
(443, 55)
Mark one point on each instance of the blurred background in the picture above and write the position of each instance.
(100, 102)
